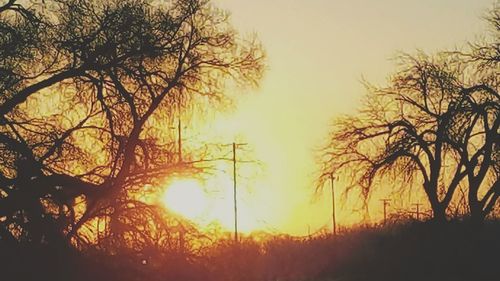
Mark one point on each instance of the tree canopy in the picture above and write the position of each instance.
(86, 90)
(435, 124)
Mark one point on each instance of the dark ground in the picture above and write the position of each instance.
(411, 251)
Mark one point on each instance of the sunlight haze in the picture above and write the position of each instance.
(318, 52)
(249, 140)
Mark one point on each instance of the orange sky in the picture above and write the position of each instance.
(318, 51)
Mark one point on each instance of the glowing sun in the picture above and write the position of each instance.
(186, 198)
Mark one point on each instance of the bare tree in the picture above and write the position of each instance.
(115, 68)
(437, 123)
(475, 130)
(400, 133)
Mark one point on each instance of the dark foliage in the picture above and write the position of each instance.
(412, 251)
(87, 90)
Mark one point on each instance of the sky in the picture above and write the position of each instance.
(318, 51)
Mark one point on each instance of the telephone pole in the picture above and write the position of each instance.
(179, 139)
(334, 222)
(235, 145)
(418, 210)
(386, 203)
(179, 132)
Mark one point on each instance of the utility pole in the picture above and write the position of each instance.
(334, 222)
(235, 145)
(179, 132)
(182, 240)
(179, 139)
(386, 203)
(418, 210)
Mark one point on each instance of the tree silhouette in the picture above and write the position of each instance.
(437, 123)
(475, 136)
(86, 88)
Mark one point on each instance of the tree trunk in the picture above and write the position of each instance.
(476, 210)
(477, 215)
(438, 208)
(439, 214)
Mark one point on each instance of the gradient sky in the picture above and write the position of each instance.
(318, 51)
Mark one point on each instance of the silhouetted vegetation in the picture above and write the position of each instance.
(435, 125)
(410, 251)
(88, 88)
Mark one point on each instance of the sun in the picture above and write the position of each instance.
(186, 198)
(211, 204)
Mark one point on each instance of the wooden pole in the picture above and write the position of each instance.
(334, 222)
(234, 196)
(386, 203)
(179, 140)
(418, 210)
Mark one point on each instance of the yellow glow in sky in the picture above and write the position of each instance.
(211, 203)
(186, 198)
(318, 51)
